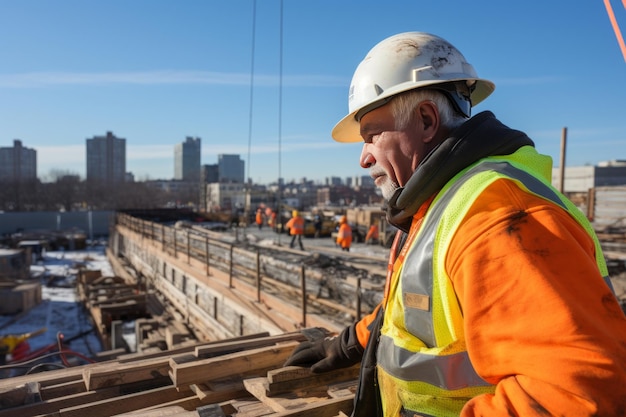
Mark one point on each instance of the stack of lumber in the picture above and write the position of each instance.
(239, 377)
(108, 299)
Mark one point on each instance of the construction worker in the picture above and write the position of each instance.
(317, 223)
(259, 218)
(272, 220)
(498, 300)
(296, 228)
(372, 236)
(344, 234)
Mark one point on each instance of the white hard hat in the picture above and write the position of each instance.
(404, 62)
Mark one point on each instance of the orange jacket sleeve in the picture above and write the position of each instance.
(540, 322)
(363, 328)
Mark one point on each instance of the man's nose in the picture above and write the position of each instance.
(367, 159)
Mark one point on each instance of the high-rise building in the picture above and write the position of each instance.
(231, 168)
(18, 163)
(106, 158)
(209, 173)
(187, 160)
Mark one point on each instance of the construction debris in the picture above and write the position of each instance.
(239, 378)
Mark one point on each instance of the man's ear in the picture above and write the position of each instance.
(428, 113)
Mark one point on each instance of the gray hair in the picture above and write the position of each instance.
(404, 104)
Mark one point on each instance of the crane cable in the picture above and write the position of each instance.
(246, 187)
(280, 119)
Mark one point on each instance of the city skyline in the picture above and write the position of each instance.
(229, 167)
(167, 71)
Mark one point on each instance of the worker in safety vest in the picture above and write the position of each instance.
(259, 218)
(344, 234)
(498, 300)
(296, 228)
(371, 238)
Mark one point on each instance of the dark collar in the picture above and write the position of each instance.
(481, 136)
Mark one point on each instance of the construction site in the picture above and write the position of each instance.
(195, 322)
(214, 315)
(166, 299)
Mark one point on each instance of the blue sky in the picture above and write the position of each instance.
(154, 72)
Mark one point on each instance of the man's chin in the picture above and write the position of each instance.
(387, 189)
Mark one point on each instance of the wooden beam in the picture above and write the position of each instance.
(51, 406)
(108, 375)
(231, 364)
(292, 378)
(235, 346)
(290, 401)
(124, 403)
(325, 408)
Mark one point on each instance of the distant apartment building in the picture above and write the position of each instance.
(330, 181)
(18, 163)
(187, 159)
(106, 158)
(210, 173)
(231, 168)
(363, 181)
(224, 196)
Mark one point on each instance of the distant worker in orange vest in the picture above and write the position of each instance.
(372, 235)
(296, 228)
(259, 218)
(344, 237)
(273, 219)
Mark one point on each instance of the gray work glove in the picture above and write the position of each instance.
(329, 353)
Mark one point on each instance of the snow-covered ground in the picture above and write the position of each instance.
(60, 310)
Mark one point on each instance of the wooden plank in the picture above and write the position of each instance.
(107, 375)
(212, 410)
(343, 389)
(327, 408)
(172, 411)
(291, 401)
(19, 395)
(234, 346)
(290, 378)
(63, 389)
(225, 392)
(44, 378)
(208, 394)
(222, 366)
(288, 373)
(250, 408)
(187, 403)
(53, 405)
(124, 403)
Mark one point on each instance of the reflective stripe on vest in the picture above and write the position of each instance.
(430, 357)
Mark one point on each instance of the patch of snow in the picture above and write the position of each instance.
(60, 311)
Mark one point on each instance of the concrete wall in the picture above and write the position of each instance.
(204, 308)
(92, 223)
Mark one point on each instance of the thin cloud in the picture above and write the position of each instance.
(63, 154)
(46, 79)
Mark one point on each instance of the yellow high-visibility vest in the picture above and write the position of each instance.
(422, 361)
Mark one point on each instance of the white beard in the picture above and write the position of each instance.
(387, 187)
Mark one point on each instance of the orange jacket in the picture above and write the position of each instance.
(295, 225)
(372, 232)
(259, 217)
(540, 322)
(344, 236)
